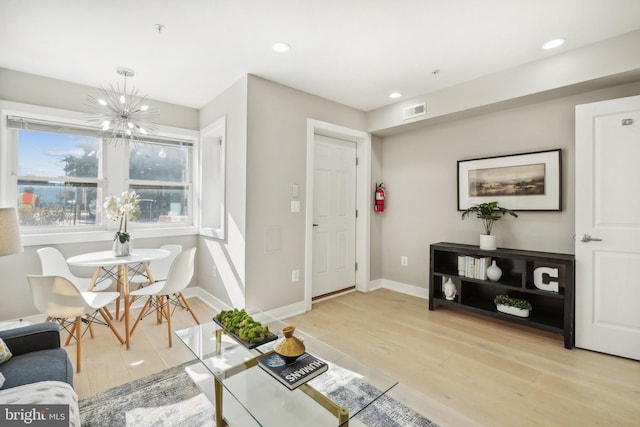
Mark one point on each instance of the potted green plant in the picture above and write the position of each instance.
(515, 306)
(488, 213)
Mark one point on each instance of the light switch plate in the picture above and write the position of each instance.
(295, 206)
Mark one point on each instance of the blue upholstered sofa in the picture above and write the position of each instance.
(37, 356)
(39, 371)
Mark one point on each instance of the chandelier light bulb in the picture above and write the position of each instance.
(120, 112)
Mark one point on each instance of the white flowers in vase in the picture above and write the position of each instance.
(124, 209)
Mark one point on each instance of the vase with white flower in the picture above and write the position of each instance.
(124, 209)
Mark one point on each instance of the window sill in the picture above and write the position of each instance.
(102, 235)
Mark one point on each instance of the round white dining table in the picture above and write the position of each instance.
(105, 262)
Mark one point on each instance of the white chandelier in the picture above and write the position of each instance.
(121, 115)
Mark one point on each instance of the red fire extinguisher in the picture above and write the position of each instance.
(379, 198)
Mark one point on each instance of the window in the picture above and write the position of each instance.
(58, 179)
(160, 173)
(62, 173)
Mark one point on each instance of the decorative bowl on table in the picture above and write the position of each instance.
(290, 348)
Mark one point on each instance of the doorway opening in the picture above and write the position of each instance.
(362, 202)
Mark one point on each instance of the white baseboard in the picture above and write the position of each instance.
(283, 312)
(213, 302)
(403, 288)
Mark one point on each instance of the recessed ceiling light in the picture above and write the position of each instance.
(552, 44)
(395, 95)
(280, 47)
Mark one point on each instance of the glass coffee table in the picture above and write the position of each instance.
(333, 398)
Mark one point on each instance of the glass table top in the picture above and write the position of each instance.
(347, 383)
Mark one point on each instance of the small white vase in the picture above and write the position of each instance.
(449, 289)
(488, 242)
(121, 249)
(494, 273)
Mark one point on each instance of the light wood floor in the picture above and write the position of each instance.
(457, 369)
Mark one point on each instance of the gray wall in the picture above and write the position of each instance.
(221, 263)
(419, 170)
(46, 92)
(276, 159)
(375, 241)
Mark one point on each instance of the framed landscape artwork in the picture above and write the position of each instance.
(522, 182)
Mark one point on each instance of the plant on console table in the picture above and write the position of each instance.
(514, 306)
(124, 209)
(488, 213)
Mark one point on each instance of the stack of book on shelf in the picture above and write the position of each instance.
(293, 375)
(474, 267)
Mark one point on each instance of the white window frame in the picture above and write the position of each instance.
(213, 141)
(115, 180)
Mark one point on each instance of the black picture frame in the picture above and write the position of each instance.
(520, 182)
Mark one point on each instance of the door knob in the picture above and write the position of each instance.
(315, 225)
(586, 238)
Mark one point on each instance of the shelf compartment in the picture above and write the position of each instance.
(439, 284)
(547, 272)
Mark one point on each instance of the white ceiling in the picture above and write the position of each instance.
(351, 51)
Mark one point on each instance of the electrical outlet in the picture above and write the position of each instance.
(404, 261)
(295, 275)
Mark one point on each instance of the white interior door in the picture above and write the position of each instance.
(608, 208)
(334, 215)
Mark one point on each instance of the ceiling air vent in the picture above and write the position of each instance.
(414, 111)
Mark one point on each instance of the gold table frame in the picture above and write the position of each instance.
(338, 411)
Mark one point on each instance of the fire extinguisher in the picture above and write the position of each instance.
(379, 198)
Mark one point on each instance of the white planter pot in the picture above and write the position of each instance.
(508, 309)
(488, 242)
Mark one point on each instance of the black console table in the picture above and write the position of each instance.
(553, 311)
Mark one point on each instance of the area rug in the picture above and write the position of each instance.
(171, 398)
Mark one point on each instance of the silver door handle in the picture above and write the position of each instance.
(586, 238)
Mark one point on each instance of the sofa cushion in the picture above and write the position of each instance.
(44, 365)
(44, 393)
(5, 354)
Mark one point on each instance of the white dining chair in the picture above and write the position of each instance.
(159, 268)
(165, 294)
(54, 264)
(62, 302)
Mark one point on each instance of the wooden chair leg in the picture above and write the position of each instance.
(71, 332)
(168, 308)
(184, 301)
(105, 316)
(146, 305)
(159, 301)
(118, 290)
(78, 328)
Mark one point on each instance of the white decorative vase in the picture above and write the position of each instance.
(121, 249)
(449, 289)
(494, 273)
(488, 242)
(515, 311)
